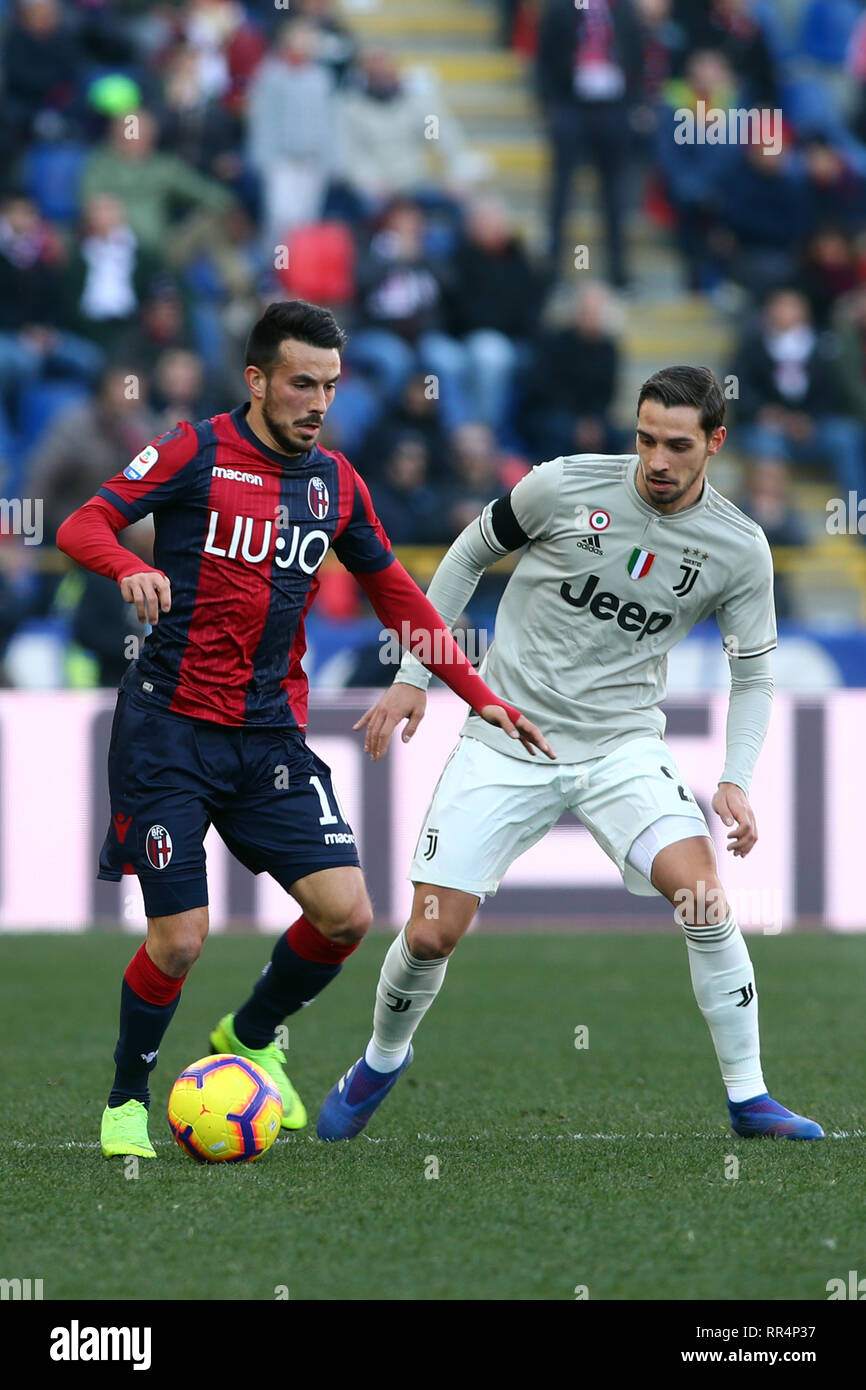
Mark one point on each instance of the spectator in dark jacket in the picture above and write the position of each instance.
(162, 324)
(571, 382)
(32, 294)
(194, 125)
(790, 398)
(416, 413)
(837, 191)
(41, 64)
(492, 311)
(728, 27)
(401, 293)
(411, 510)
(588, 72)
(765, 213)
(692, 174)
(107, 274)
(829, 269)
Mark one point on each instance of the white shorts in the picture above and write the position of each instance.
(488, 809)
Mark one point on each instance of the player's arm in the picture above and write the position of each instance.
(402, 607)
(749, 706)
(452, 586)
(159, 474)
(747, 622)
(506, 524)
(485, 540)
(89, 536)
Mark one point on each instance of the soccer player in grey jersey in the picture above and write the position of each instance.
(623, 556)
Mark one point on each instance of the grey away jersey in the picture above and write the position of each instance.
(606, 587)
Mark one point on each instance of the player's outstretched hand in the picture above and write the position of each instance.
(399, 702)
(530, 736)
(150, 591)
(731, 803)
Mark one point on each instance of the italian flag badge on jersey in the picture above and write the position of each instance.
(640, 562)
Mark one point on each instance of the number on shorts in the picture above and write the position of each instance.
(684, 795)
(327, 817)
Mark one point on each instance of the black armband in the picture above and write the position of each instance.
(507, 530)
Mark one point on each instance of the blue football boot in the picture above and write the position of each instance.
(764, 1117)
(355, 1098)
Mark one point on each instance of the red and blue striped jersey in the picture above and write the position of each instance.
(241, 531)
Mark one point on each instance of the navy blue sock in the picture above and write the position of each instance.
(302, 963)
(142, 1027)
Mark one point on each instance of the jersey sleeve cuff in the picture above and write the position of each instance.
(759, 651)
(126, 509)
(376, 567)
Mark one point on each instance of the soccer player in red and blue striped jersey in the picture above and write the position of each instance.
(211, 718)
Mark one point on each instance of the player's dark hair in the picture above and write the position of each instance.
(291, 318)
(695, 386)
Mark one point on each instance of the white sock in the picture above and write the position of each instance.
(410, 983)
(724, 985)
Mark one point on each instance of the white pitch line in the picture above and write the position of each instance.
(446, 1139)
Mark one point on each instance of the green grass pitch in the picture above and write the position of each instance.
(559, 1167)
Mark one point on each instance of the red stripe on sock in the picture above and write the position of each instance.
(149, 982)
(308, 942)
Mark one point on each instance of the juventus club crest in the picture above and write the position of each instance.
(690, 568)
(317, 498)
(432, 844)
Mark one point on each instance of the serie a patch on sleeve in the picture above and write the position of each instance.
(142, 464)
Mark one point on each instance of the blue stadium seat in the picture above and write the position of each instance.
(825, 28)
(52, 176)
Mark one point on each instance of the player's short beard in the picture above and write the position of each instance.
(679, 492)
(278, 434)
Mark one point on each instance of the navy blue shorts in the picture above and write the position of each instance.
(171, 777)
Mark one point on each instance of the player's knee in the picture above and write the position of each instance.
(702, 904)
(178, 956)
(358, 923)
(431, 940)
(350, 925)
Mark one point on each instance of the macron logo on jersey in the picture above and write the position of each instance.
(235, 476)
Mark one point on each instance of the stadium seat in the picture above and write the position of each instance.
(52, 176)
(321, 264)
(826, 28)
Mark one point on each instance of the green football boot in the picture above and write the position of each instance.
(124, 1131)
(271, 1060)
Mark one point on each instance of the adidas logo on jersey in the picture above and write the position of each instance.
(234, 475)
(591, 543)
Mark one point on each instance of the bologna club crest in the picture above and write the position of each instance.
(158, 847)
(317, 498)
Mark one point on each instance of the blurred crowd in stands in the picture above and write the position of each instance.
(167, 169)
